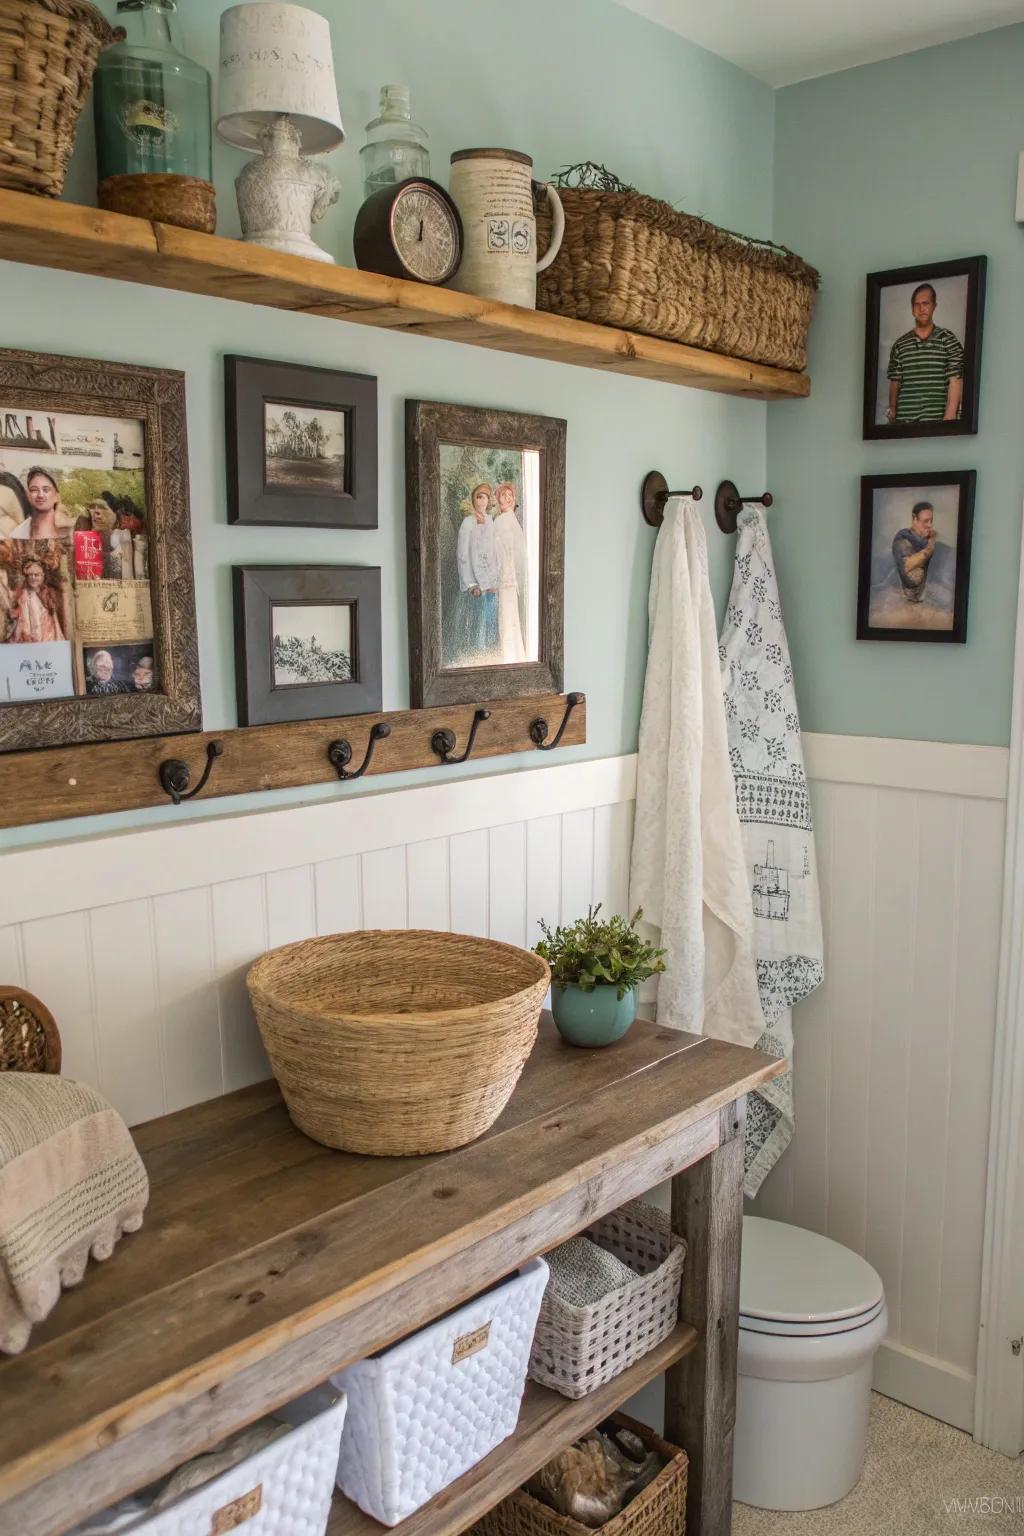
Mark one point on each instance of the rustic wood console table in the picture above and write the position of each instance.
(267, 1262)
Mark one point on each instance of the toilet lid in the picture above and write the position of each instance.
(792, 1276)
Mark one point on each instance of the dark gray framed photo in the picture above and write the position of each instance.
(922, 352)
(486, 530)
(301, 445)
(915, 556)
(307, 642)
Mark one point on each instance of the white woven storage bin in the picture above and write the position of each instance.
(578, 1348)
(432, 1406)
(285, 1488)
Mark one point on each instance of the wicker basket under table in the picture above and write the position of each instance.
(578, 1348)
(631, 261)
(660, 1510)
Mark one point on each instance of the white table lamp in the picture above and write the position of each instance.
(278, 97)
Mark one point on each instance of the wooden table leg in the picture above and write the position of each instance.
(700, 1391)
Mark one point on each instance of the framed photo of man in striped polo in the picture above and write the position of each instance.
(922, 353)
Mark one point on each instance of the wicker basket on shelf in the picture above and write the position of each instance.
(660, 1510)
(578, 1348)
(48, 52)
(631, 261)
(395, 1043)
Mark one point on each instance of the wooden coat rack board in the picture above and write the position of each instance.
(59, 782)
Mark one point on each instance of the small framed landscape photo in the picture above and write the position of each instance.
(301, 445)
(307, 642)
(922, 350)
(915, 556)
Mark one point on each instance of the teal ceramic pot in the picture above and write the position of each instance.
(592, 1018)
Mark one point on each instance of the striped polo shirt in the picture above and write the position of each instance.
(924, 369)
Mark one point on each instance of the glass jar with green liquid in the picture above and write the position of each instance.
(153, 121)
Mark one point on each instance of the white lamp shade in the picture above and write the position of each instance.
(277, 59)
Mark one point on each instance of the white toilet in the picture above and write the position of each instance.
(812, 1315)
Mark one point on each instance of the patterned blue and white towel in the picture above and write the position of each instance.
(775, 818)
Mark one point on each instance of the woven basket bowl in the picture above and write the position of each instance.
(48, 52)
(660, 1510)
(400, 1042)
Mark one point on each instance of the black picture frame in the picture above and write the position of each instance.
(974, 268)
(965, 480)
(258, 590)
(428, 425)
(250, 384)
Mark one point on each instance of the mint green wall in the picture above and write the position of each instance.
(569, 82)
(910, 160)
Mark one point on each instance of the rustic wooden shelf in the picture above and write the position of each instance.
(267, 1262)
(84, 780)
(77, 239)
(547, 1423)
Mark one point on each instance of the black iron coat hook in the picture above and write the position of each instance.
(339, 752)
(729, 504)
(655, 494)
(175, 774)
(539, 728)
(443, 741)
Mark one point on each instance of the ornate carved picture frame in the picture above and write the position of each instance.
(97, 598)
(486, 531)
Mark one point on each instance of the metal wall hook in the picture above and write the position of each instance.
(539, 728)
(339, 752)
(175, 774)
(443, 741)
(729, 504)
(655, 494)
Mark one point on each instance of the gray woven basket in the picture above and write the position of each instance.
(578, 1348)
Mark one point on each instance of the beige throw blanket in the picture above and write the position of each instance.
(71, 1181)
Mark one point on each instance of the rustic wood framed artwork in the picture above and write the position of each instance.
(486, 530)
(922, 350)
(97, 605)
(915, 556)
(307, 642)
(301, 445)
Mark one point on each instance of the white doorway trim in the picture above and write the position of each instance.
(999, 1400)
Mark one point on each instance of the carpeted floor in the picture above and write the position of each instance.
(921, 1478)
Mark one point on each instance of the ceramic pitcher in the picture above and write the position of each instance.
(493, 190)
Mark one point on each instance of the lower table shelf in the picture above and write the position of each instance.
(547, 1423)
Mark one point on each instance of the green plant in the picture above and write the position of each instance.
(589, 953)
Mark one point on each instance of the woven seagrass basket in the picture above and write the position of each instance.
(660, 1510)
(48, 52)
(631, 261)
(578, 1348)
(399, 1042)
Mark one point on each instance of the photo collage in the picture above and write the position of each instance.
(75, 611)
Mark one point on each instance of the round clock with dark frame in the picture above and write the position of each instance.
(411, 230)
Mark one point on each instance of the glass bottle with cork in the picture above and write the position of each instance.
(153, 121)
(396, 147)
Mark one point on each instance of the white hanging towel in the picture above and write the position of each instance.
(775, 816)
(687, 869)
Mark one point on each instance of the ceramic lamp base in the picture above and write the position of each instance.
(281, 193)
(595, 1018)
(291, 244)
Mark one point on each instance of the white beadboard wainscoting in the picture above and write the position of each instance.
(893, 1062)
(139, 943)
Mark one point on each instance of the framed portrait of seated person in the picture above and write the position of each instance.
(97, 603)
